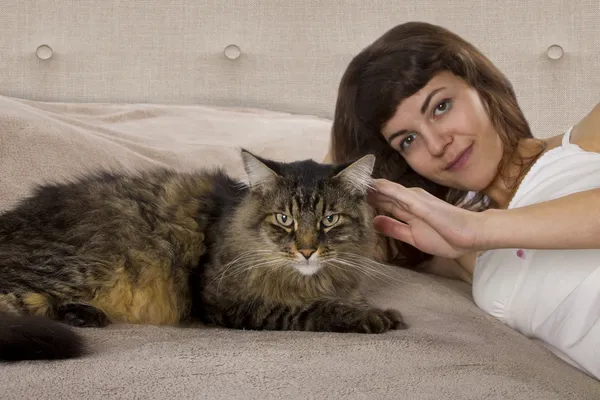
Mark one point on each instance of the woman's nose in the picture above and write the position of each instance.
(438, 142)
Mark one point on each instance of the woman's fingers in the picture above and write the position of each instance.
(417, 201)
(394, 229)
(390, 206)
(394, 209)
(412, 199)
(390, 189)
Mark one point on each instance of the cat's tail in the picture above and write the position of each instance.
(37, 338)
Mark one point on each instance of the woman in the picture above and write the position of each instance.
(461, 177)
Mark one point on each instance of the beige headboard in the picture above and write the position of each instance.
(285, 55)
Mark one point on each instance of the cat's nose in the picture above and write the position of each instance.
(306, 252)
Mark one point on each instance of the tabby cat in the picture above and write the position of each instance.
(283, 252)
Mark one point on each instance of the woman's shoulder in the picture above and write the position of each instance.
(561, 170)
(586, 133)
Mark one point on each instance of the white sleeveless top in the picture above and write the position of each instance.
(549, 295)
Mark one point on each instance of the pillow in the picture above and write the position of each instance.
(43, 142)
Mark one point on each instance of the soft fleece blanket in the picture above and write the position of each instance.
(452, 350)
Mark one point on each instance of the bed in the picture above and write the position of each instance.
(186, 83)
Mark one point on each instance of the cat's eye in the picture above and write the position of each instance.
(330, 220)
(283, 219)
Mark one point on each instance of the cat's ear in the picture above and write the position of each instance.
(258, 172)
(357, 176)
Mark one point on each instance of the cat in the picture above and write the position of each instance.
(285, 250)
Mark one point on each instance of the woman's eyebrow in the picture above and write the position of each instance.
(423, 109)
(428, 99)
(393, 136)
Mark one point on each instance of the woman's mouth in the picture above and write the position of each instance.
(461, 160)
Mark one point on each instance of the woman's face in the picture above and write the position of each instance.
(445, 134)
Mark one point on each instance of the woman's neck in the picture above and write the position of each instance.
(507, 181)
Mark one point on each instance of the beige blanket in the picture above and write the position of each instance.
(452, 350)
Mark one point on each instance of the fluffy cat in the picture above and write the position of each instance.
(283, 252)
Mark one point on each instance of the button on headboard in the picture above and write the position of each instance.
(283, 55)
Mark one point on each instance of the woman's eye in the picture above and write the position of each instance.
(442, 107)
(407, 141)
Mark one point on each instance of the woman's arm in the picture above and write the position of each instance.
(460, 268)
(570, 222)
(436, 227)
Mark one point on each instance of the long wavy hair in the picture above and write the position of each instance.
(396, 66)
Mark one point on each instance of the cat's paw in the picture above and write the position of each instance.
(364, 319)
(375, 320)
(81, 315)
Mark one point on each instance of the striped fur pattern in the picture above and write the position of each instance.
(288, 251)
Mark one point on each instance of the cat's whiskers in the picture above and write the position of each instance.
(375, 267)
(342, 265)
(365, 259)
(247, 257)
(369, 267)
(246, 262)
(245, 268)
(239, 269)
(244, 256)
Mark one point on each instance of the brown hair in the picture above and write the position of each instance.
(396, 66)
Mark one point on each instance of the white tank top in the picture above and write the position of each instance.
(549, 295)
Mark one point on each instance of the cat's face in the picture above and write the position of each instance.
(309, 215)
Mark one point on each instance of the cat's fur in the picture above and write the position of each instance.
(164, 247)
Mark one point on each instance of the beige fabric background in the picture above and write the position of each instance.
(47, 142)
(293, 52)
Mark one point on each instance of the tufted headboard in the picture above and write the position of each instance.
(283, 55)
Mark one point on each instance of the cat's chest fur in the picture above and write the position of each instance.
(291, 288)
(228, 279)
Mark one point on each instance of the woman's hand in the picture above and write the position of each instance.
(424, 221)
